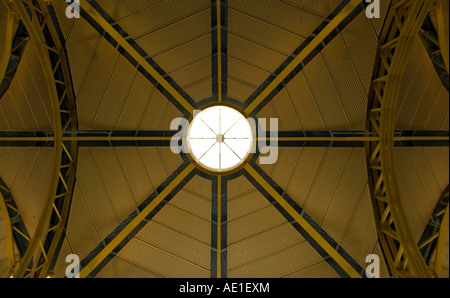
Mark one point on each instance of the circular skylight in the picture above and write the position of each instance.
(220, 138)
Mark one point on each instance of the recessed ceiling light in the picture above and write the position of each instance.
(220, 138)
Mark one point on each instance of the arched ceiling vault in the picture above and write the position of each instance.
(85, 137)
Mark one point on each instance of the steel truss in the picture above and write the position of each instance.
(402, 24)
(433, 238)
(435, 47)
(15, 44)
(37, 17)
(16, 232)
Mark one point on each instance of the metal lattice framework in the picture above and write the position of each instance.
(432, 241)
(403, 22)
(44, 246)
(16, 232)
(15, 43)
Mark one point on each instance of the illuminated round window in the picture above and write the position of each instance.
(220, 138)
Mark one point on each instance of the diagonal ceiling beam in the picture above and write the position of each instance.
(317, 237)
(219, 31)
(109, 29)
(126, 230)
(342, 15)
(219, 228)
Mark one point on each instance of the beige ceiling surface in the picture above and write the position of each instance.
(330, 184)
(25, 106)
(331, 92)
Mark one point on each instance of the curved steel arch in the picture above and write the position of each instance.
(402, 24)
(15, 44)
(16, 231)
(37, 17)
(432, 240)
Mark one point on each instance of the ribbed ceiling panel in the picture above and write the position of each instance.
(26, 105)
(27, 173)
(423, 101)
(422, 177)
(185, 220)
(111, 183)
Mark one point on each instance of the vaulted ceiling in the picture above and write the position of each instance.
(327, 95)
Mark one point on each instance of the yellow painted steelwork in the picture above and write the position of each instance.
(219, 50)
(8, 44)
(135, 222)
(85, 5)
(332, 25)
(303, 223)
(8, 229)
(443, 233)
(219, 227)
(402, 25)
(44, 257)
(441, 32)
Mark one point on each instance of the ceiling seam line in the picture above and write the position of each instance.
(143, 10)
(338, 182)
(170, 254)
(157, 221)
(433, 170)
(186, 211)
(420, 101)
(127, 97)
(116, 63)
(105, 188)
(291, 100)
(308, 267)
(313, 182)
(145, 35)
(4, 115)
(146, 170)
(271, 254)
(36, 154)
(355, 210)
(355, 69)
(267, 22)
(433, 107)
(155, 56)
(251, 213)
(41, 100)
(14, 102)
(421, 180)
(267, 72)
(22, 156)
(124, 259)
(125, 177)
(313, 96)
(19, 82)
(91, 217)
(262, 232)
(293, 4)
(336, 92)
(147, 104)
(293, 170)
(89, 65)
(267, 47)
